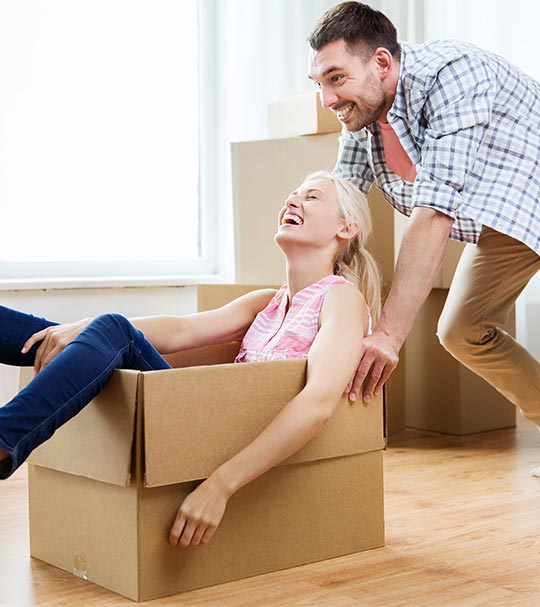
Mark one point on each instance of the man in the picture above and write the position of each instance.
(451, 136)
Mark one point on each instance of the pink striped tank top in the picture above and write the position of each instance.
(277, 334)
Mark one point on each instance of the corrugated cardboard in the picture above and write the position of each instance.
(300, 115)
(104, 511)
(441, 394)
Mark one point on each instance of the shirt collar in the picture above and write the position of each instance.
(398, 107)
(411, 87)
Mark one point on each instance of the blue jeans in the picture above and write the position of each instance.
(68, 382)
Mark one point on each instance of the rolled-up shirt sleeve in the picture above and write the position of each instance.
(457, 114)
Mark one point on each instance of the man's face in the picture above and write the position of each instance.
(350, 84)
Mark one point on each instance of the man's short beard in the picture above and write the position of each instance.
(374, 115)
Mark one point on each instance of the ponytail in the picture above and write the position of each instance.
(356, 263)
(359, 266)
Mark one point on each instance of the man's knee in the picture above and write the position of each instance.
(460, 337)
(455, 335)
(449, 334)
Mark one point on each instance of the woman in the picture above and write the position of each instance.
(319, 314)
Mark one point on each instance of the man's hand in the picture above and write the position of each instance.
(380, 355)
(199, 515)
(54, 339)
(420, 257)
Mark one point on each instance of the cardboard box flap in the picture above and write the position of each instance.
(97, 443)
(207, 355)
(197, 418)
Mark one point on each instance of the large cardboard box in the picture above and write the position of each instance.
(441, 394)
(105, 489)
(300, 115)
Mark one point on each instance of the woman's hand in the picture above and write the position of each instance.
(54, 339)
(199, 515)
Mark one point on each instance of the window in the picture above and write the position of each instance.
(99, 140)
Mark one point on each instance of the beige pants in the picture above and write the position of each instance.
(488, 280)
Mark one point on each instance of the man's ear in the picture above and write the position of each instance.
(349, 231)
(385, 61)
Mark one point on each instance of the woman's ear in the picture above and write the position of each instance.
(349, 231)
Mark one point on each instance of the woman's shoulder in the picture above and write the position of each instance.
(252, 302)
(261, 298)
(345, 291)
(345, 302)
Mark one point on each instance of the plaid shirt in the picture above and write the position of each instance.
(470, 122)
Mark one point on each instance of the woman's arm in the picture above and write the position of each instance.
(332, 359)
(166, 333)
(170, 334)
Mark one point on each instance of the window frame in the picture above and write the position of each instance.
(21, 275)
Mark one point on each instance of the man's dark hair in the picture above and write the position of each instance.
(361, 27)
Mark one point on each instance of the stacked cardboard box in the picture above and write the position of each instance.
(300, 115)
(105, 489)
(441, 394)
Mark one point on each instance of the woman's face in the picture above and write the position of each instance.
(310, 215)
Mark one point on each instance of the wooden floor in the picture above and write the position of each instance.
(462, 530)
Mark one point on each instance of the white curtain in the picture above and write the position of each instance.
(510, 31)
(257, 53)
(262, 53)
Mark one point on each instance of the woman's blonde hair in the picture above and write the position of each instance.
(356, 263)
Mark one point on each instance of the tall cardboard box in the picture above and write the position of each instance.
(300, 115)
(105, 489)
(441, 394)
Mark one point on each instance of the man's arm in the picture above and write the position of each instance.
(457, 111)
(419, 261)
